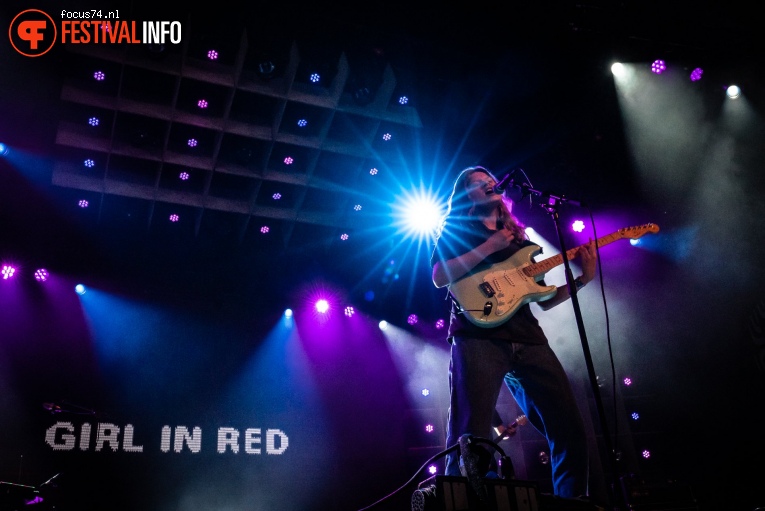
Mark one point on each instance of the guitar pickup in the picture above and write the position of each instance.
(487, 289)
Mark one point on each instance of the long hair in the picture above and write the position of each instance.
(460, 208)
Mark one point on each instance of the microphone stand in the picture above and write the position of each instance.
(550, 203)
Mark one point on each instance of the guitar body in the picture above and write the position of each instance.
(489, 297)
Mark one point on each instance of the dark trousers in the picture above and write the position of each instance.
(540, 386)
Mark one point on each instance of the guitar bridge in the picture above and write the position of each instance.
(487, 289)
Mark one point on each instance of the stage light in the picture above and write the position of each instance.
(288, 313)
(419, 214)
(93, 121)
(618, 69)
(403, 100)
(99, 76)
(276, 196)
(373, 171)
(432, 469)
(357, 207)
(425, 392)
(302, 123)
(174, 217)
(627, 381)
(212, 54)
(658, 67)
(3, 149)
(202, 103)
(349, 311)
(184, 176)
(83, 203)
(266, 69)
(578, 226)
(8, 271)
(696, 74)
(646, 453)
(41, 275)
(634, 242)
(344, 237)
(383, 325)
(733, 91)
(79, 289)
(440, 324)
(192, 142)
(264, 229)
(635, 416)
(387, 136)
(289, 160)
(429, 428)
(322, 305)
(412, 319)
(315, 77)
(89, 163)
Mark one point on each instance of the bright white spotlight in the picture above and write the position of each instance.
(287, 313)
(618, 70)
(383, 325)
(418, 213)
(733, 91)
(80, 289)
(3, 149)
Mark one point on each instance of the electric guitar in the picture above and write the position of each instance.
(510, 429)
(490, 296)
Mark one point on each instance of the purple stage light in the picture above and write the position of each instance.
(658, 67)
(184, 176)
(387, 137)
(192, 142)
(8, 271)
(212, 54)
(99, 76)
(264, 229)
(412, 319)
(174, 217)
(93, 121)
(425, 392)
(277, 196)
(635, 416)
(344, 237)
(432, 469)
(578, 226)
(373, 171)
(646, 454)
(288, 160)
(349, 311)
(41, 275)
(83, 203)
(627, 381)
(440, 324)
(696, 74)
(202, 103)
(89, 163)
(429, 428)
(322, 305)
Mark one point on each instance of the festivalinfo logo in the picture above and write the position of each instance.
(34, 32)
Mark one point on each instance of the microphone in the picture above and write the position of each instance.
(505, 182)
(52, 407)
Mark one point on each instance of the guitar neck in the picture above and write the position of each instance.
(548, 264)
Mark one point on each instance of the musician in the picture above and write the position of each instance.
(479, 229)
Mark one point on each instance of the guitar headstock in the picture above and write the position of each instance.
(637, 231)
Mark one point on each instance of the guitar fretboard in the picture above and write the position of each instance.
(548, 264)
